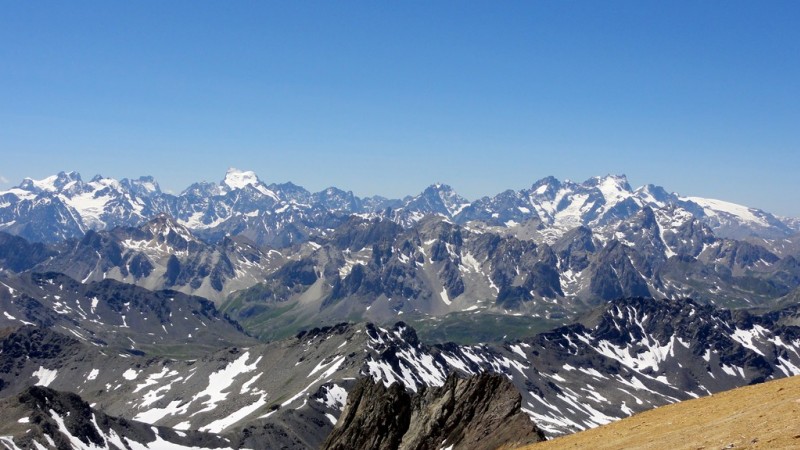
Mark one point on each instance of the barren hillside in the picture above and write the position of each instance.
(762, 416)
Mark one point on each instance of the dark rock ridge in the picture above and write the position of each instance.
(477, 413)
(17, 254)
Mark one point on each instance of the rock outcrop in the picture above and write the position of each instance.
(481, 412)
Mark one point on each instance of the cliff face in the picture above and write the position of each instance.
(481, 412)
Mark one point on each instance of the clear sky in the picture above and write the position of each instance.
(386, 98)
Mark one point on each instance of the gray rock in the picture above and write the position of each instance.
(480, 412)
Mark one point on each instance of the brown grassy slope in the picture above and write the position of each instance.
(765, 416)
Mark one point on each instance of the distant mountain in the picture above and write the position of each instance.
(163, 254)
(278, 258)
(380, 271)
(64, 206)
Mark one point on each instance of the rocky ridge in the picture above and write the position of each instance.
(480, 412)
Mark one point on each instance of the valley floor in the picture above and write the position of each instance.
(765, 416)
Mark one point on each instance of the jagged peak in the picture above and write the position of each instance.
(145, 183)
(439, 187)
(610, 183)
(546, 184)
(202, 188)
(333, 190)
(439, 197)
(163, 224)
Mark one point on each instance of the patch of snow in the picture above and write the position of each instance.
(221, 380)
(335, 397)
(518, 350)
(445, 298)
(220, 425)
(46, 376)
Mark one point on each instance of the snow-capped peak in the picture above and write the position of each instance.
(239, 179)
(655, 196)
(47, 184)
(546, 185)
(714, 207)
(163, 224)
(451, 201)
(53, 183)
(614, 188)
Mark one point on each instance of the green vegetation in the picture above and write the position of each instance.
(471, 328)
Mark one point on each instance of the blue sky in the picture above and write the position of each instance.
(386, 98)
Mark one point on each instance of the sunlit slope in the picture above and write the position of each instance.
(761, 416)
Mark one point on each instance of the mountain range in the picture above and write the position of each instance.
(64, 206)
(277, 258)
(247, 315)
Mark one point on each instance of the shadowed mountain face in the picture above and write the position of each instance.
(19, 255)
(162, 254)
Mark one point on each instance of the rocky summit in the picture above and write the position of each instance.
(481, 412)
